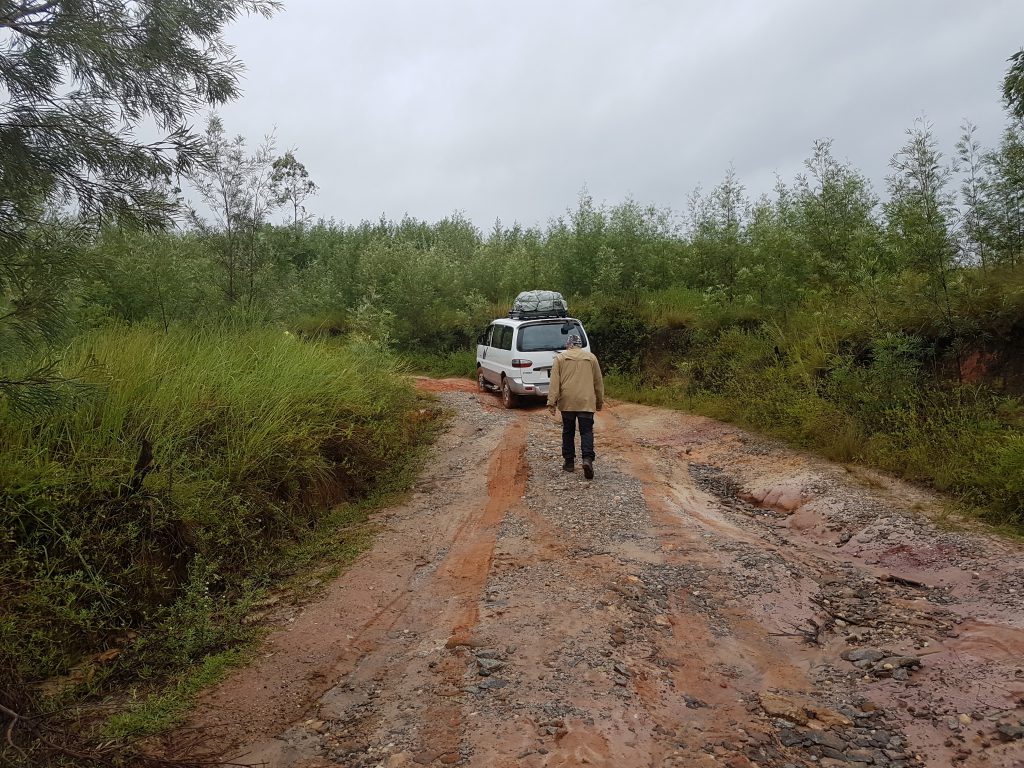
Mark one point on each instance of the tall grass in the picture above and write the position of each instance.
(134, 516)
(459, 363)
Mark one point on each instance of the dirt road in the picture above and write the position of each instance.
(710, 599)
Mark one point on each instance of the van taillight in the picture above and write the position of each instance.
(518, 363)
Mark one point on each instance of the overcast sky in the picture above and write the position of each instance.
(507, 109)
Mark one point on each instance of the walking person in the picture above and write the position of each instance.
(577, 390)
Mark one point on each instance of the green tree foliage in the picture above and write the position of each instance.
(292, 185)
(1013, 85)
(835, 216)
(975, 242)
(778, 270)
(38, 277)
(718, 224)
(1002, 205)
(920, 213)
(79, 78)
(241, 190)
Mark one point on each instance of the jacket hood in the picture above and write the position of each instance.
(574, 354)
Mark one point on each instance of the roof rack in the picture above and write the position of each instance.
(537, 314)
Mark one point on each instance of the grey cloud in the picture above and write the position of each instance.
(507, 110)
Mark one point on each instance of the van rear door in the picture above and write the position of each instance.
(539, 342)
(499, 354)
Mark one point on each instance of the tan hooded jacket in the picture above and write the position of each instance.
(576, 383)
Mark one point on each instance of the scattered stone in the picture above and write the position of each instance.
(1010, 732)
(693, 702)
(791, 738)
(865, 756)
(828, 718)
(489, 665)
(780, 706)
(891, 662)
(826, 739)
(863, 654)
(881, 738)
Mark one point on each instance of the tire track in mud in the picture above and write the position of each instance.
(470, 562)
(511, 614)
(845, 593)
(660, 680)
(428, 561)
(463, 575)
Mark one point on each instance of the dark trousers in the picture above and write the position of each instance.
(586, 422)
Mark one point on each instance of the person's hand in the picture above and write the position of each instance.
(551, 410)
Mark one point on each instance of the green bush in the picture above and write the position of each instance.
(460, 363)
(619, 333)
(172, 483)
(855, 393)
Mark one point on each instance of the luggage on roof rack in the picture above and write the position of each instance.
(530, 304)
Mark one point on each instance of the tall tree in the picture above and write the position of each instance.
(921, 213)
(718, 224)
(1013, 85)
(1003, 202)
(291, 185)
(835, 207)
(238, 190)
(972, 192)
(79, 78)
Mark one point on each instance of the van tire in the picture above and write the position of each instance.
(508, 397)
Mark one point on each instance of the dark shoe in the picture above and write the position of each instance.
(569, 466)
(588, 469)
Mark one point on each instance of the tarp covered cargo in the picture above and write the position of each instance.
(539, 304)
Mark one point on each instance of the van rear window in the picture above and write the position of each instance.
(547, 337)
(504, 339)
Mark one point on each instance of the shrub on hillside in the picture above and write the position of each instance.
(185, 466)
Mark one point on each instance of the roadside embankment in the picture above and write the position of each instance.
(190, 470)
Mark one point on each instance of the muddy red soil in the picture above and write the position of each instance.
(711, 598)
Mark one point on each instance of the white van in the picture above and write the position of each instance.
(514, 356)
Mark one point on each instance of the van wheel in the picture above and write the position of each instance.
(481, 382)
(508, 397)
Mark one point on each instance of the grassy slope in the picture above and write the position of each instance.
(254, 444)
